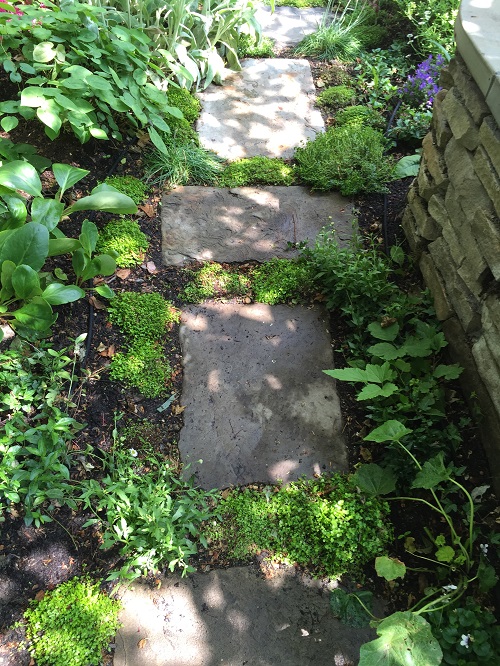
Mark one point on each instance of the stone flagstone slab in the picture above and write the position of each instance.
(239, 224)
(258, 406)
(288, 25)
(266, 109)
(233, 617)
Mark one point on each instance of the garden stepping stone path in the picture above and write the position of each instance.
(239, 224)
(287, 26)
(258, 407)
(266, 109)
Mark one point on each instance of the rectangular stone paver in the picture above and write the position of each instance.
(244, 223)
(266, 109)
(287, 26)
(258, 406)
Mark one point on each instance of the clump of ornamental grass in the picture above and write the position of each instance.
(182, 164)
(126, 239)
(257, 171)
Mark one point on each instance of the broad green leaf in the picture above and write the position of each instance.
(433, 473)
(50, 114)
(388, 333)
(44, 52)
(8, 268)
(379, 374)
(98, 133)
(408, 165)
(58, 294)
(36, 315)
(348, 609)
(58, 246)
(371, 391)
(27, 245)
(397, 255)
(347, 374)
(448, 371)
(390, 568)
(375, 480)
(487, 577)
(417, 347)
(18, 213)
(445, 554)
(9, 123)
(385, 351)
(405, 640)
(105, 291)
(103, 264)
(20, 175)
(111, 202)
(25, 282)
(34, 96)
(79, 261)
(389, 431)
(67, 175)
(47, 212)
(88, 237)
(157, 141)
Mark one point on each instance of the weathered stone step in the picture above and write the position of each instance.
(266, 109)
(239, 224)
(287, 26)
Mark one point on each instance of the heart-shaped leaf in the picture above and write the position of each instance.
(388, 333)
(389, 431)
(374, 480)
(433, 473)
(348, 609)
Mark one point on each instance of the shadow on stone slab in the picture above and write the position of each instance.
(289, 25)
(258, 406)
(234, 617)
(245, 223)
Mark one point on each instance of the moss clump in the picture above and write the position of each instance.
(126, 238)
(72, 625)
(129, 185)
(144, 367)
(257, 171)
(281, 281)
(211, 281)
(351, 159)
(142, 316)
(336, 97)
(359, 115)
(322, 523)
(181, 133)
(185, 101)
(249, 46)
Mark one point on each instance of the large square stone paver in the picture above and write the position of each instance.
(243, 223)
(265, 109)
(258, 406)
(287, 26)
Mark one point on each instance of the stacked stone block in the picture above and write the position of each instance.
(453, 228)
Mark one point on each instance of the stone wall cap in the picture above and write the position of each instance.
(477, 32)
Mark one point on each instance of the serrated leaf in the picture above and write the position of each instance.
(388, 333)
(406, 639)
(487, 577)
(433, 473)
(347, 374)
(374, 480)
(349, 611)
(389, 431)
(371, 391)
(385, 351)
(390, 568)
(417, 347)
(448, 371)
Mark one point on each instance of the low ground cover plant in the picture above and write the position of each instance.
(336, 96)
(281, 281)
(182, 163)
(129, 185)
(125, 238)
(250, 47)
(72, 625)
(322, 523)
(212, 280)
(257, 171)
(351, 159)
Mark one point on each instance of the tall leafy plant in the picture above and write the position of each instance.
(29, 234)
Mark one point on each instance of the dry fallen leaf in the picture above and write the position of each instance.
(151, 267)
(142, 643)
(225, 493)
(365, 453)
(320, 83)
(96, 303)
(39, 595)
(123, 273)
(101, 347)
(177, 409)
(148, 209)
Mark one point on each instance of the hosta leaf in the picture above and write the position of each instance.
(44, 52)
(20, 175)
(374, 480)
(47, 212)
(433, 473)
(389, 431)
(348, 609)
(390, 568)
(388, 333)
(36, 315)
(111, 202)
(405, 640)
(25, 282)
(67, 175)
(58, 294)
(27, 245)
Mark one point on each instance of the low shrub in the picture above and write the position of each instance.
(257, 171)
(323, 523)
(71, 625)
(281, 281)
(211, 281)
(350, 159)
(336, 97)
(126, 239)
(129, 185)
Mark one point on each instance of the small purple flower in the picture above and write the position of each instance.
(421, 88)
